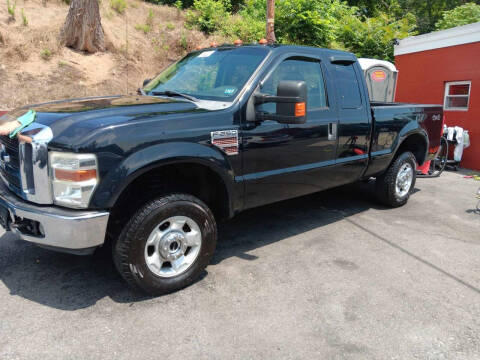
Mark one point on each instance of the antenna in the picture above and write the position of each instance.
(126, 45)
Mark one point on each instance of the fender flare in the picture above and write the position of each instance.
(149, 158)
(410, 129)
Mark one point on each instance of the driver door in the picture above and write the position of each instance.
(282, 161)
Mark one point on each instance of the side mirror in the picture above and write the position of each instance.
(291, 103)
(145, 82)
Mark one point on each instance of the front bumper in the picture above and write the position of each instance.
(60, 229)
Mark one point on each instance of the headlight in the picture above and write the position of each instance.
(74, 178)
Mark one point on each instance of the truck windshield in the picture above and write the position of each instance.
(209, 75)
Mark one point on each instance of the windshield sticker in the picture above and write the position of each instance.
(205, 54)
(230, 91)
(226, 140)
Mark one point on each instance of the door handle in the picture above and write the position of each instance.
(332, 131)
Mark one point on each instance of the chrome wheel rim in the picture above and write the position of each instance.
(173, 246)
(404, 180)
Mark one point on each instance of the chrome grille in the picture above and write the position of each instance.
(11, 148)
(10, 169)
(24, 165)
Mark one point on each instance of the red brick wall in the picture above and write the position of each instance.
(422, 77)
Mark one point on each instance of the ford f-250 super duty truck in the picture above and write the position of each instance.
(222, 130)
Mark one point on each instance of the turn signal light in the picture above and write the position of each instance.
(238, 42)
(300, 109)
(75, 175)
(263, 41)
(213, 44)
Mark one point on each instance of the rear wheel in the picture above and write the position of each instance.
(167, 244)
(394, 187)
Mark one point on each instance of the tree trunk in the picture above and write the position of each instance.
(271, 22)
(83, 28)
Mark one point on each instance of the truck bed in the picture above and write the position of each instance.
(390, 118)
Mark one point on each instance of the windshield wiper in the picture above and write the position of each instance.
(174, 93)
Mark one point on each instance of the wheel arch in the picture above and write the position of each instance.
(417, 143)
(199, 170)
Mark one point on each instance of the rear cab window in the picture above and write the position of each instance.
(347, 86)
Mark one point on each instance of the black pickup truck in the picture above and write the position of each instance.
(222, 130)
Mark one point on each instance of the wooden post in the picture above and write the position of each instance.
(271, 22)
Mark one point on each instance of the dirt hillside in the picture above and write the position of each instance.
(34, 68)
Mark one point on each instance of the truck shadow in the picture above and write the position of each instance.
(69, 282)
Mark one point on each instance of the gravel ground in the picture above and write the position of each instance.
(328, 276)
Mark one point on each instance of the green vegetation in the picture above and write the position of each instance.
(24, 18)
(322, 23)
(143, 27)
(462, 15)
(178, 4)
(184, 42)
(208, 15)
(46, 54)
(118, 5)
(427, 12)
(366, 27)
(150, 17)
(170, 26)
(148, 26)
(11, 8)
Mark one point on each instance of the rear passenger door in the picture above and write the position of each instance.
(354, 126)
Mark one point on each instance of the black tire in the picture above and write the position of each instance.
(129, 249)
(385, 185)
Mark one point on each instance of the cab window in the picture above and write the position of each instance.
(300, 69)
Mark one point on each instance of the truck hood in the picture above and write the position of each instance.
(77, 121)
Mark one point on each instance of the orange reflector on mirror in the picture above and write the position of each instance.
(75, 175)
(300, 109)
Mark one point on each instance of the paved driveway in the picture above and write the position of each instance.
(329, 276)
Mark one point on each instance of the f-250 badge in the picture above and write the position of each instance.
(226, 140)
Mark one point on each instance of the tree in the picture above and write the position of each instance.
(83, 28)
(270, 30)
(461, 15)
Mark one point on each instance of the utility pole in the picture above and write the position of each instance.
(271, 22)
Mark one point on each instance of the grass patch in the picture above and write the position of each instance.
(145, 28)
(150, 17)
(184, 42)
(170, 26)
(11, 8)
(46, 54)
(118, 5)
(24, 18)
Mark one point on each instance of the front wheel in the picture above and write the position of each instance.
(394, 187)
(167, 244)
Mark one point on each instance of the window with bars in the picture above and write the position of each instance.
(457, 95)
